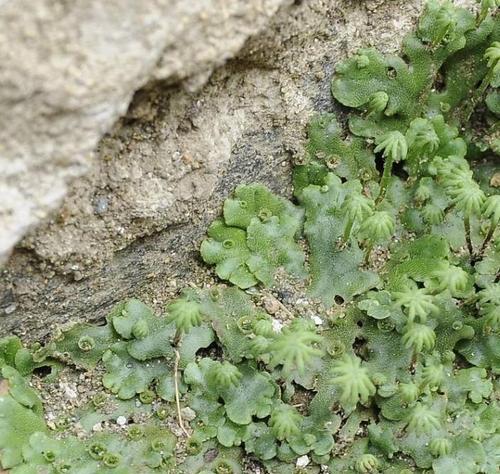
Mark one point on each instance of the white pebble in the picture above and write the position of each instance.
(97, 427)
(277, 325)
(69, 392)
(121, 420)
(317, 320)
(303, 461)
(10, 309)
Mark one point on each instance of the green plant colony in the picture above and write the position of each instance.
(399, 216)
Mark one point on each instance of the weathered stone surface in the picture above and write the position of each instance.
(68, 70)
(132, 226)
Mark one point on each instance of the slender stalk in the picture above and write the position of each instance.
(482, 15)
(177, 338)
(489, 235)
(440, 38)
(467, 235)
(368, 252)
(176, 344)
(386, 176)
(347, 230)
(476, 96)
(177, 396)
(414, 360)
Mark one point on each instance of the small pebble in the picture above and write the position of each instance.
(97, 428)
(317, 320)
(277, 325)
(10, 309)
(303, 461)
(495, 180)
(69, 392)
(271, 305)
(78, 275)
(101, 205)
(121, 421)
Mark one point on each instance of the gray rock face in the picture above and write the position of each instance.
(68, 70)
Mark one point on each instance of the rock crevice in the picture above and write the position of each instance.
(68, 71)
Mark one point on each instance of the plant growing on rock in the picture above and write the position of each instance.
(389, 367)
(352, 379)
(295, 347)
(184, 314)
(285, 422)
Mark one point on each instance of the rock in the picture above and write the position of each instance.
(317, 320)
(10, 309)
(302, 461)
(271, 305)
(121, 421)
(70, 69)
(165, 168)
(277, 325)
(495, 180)
(69, 391)
(97, 428)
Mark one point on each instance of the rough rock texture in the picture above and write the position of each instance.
(68, 70)
(133, 225)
